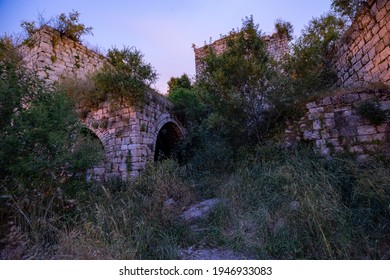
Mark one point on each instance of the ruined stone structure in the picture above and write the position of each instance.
(363, 54)
(130, 136)
(277, 47)
(335, 126)
(54, 57)
(361, 60)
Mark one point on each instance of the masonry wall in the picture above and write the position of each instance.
(334, 126)
(362, 56)
(277, 47)
(54, 57)
(128, 134)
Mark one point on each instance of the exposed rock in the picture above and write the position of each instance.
(211, 254)
(201, 210)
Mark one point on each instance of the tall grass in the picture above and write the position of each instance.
(113, 220)
(276, 204)
(297, 205)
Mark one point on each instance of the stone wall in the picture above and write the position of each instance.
(129, 135)
(54, 57)
(334, 125)
(362, 56)
(277, 47)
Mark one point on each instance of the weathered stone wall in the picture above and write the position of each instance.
(128, 134)
(277, 47)
(54, 57)
(362, 56)
(335, 126)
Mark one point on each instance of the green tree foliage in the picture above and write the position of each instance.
(284, 28)
(238, 83)
(309, 67)
(67, 25)
(42, 146)
(125, 77)
(182, 82)
(347, 7)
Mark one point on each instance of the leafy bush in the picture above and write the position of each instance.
(126, 77)
(308, 68)
(67, 25)
(372, 112)
(43, 154)
(347, 7)
(284, 28)
(182, 82)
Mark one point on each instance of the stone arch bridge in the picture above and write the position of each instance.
(130, 136)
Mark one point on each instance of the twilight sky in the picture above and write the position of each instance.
(163, 30)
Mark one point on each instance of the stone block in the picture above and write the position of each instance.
(123, 167)
(362, 158)
(311, 135)
(385, 105)
(326, 101)
(329, 115)
(353, 120)
(349, 98)
(99, 171)
(372, 148)
(330, 123)
(381, 14)
(356, 149)
(314, 113)
(325, 134)
(320, 143)
(380, 137)
(316, 124)
(334, 142)
(334, 133)
(366, 130)
(311, 105)
(137, 153)
(365, 59)
(375, 38)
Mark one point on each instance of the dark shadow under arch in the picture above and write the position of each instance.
(167, 137)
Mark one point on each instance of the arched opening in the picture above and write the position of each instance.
(97, 155)
(167, 137)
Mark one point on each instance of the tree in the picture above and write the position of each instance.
(238, 82)
(182, 82)
(309, 66)
(125, 77)
(42, 144)
(347, 7)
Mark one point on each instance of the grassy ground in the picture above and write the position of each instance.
(278, 204)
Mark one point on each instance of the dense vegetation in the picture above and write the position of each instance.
(275, 203)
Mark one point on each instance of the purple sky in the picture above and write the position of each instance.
(163, 30)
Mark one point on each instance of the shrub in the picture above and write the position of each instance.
(126, 77)
(308, 68)
(372, 112)
(43, 153)
(67, 25)
(284, 28)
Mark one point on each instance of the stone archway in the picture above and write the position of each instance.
(97, 173)
(167, 137)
